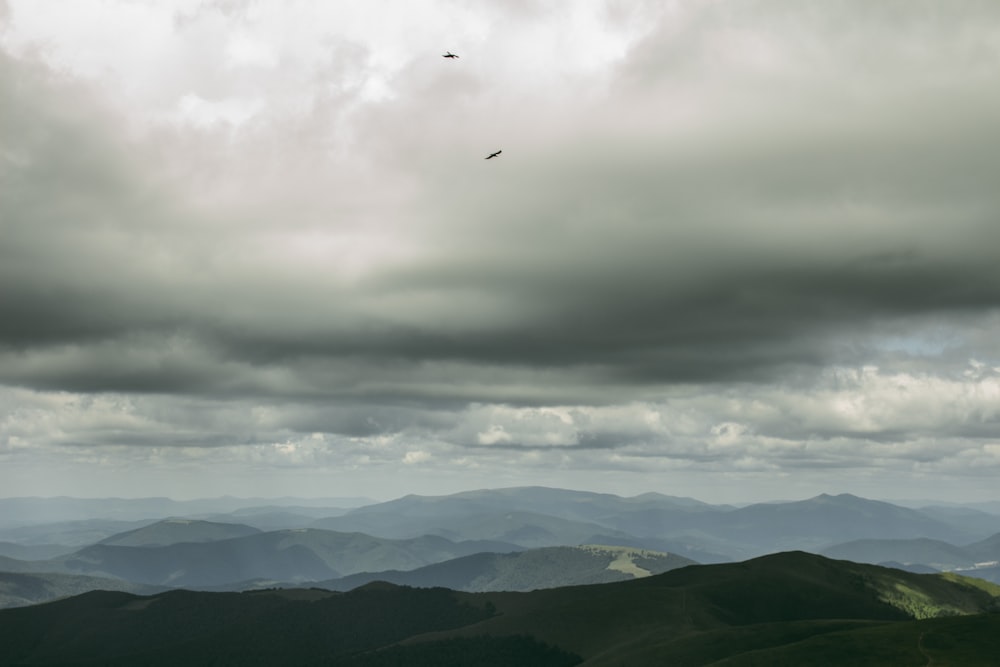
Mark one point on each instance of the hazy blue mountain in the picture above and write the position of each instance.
(274, 520)
(985, 550)
(531, 517)
(547, 567)
(32, 511)
(988, 573)
(22, 589)
(33, 551)
(975, 522)
(294, 510)
(933, 553)
(515, 527)
(825, 520)
(277, 517)
(8, 564)
(603, 509)
(173, 531)
(724, 531)
(783, 609)
(916, 568)
(290, 556)
(71, 534)
(992, 506)
(980, 560)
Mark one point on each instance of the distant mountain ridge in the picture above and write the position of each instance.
(177, 530)
(553, 517)
(298, 555)
(415, 532)
(23, 511)
(979, 559)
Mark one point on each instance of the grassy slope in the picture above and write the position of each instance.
(791, 608)
(727, 609)
(969, 641)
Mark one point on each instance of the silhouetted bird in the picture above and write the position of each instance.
(449, 55)
(493, 155)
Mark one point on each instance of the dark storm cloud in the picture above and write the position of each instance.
(735, 205)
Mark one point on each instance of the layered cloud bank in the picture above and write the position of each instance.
(755, 241)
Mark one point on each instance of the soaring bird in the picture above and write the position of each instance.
(493, 155)
(449, 54)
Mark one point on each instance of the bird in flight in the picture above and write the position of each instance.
(493, 155)
(449, 54)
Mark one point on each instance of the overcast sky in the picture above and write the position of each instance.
(737, 250)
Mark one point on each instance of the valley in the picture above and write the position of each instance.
(552, 575)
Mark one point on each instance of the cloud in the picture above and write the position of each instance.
(760, 233)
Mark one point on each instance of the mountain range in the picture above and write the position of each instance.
(510, 539)
(788, 608)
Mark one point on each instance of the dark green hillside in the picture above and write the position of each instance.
(680, 605)
(966, 641)
(174, 531)
(483, 651)
(785, 609)
(296, 627)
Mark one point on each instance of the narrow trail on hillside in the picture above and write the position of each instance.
(923, 651)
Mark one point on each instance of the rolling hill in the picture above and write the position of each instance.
(22, 589)
(32, 551)
(176, 531)
(27, 511)
(299, 555)
(70, 534)
(979, 560)
(934, 553)
(789, 608)
(546, 567)
(515, 527)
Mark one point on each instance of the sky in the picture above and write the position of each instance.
(733, 250)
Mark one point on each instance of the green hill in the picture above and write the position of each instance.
(548, 567)
(786, 609)
(298, 555)
(175, 531)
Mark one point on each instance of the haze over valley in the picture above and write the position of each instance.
(712, 569)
